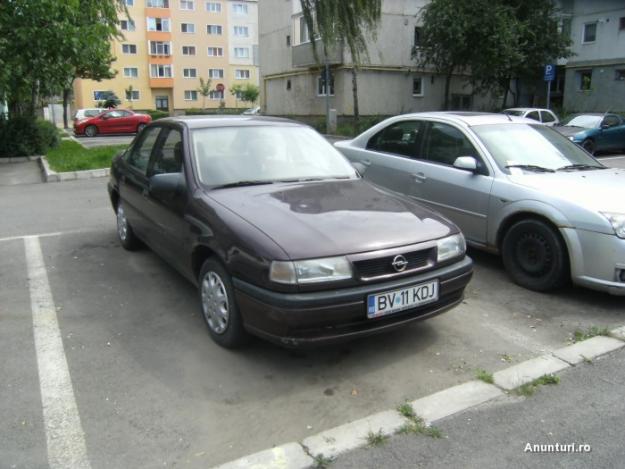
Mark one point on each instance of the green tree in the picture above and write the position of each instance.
(109, 100)
(348, 22)
(248, 92)
(205, 90)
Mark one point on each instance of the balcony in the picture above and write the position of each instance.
(303, 55)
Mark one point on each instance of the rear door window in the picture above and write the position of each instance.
(547, 117)
(400, 138)
(533, 115)
(167, 156)
(445, 143)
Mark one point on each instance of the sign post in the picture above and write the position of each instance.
(550, 75)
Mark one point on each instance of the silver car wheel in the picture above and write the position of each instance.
(215, 302)
(122, 223)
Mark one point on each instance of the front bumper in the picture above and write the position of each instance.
(596, 260)
(308, 319)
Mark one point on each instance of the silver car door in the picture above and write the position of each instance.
(461, 195)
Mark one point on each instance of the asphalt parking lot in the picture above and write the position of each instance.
(152, 390)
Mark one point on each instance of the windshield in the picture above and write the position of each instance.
(514, 112)
(231, 155)
(587, 122)
(533, 145)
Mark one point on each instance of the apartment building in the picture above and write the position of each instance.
(169, 44)
(594, 76)
(292, 82)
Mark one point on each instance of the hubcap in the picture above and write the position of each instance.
(534, 254)
(122, 223)
(215, 302)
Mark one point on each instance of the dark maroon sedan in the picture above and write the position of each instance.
(282, 236)
(115, 121)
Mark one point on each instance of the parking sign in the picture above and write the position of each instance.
(550, 72)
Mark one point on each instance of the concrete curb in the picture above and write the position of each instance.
(19, 159)
(52, 176)
(335, 441)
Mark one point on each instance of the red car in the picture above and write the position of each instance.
(115, 121)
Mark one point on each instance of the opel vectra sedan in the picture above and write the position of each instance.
(513, 187)
(282, 236)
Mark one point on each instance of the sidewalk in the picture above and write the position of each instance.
(27, 172)
(587, 407)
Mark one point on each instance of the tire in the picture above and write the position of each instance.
(140, 127)
(91, 131)
(589, 146)
(127, 237)
(535, 256)
(216, 298)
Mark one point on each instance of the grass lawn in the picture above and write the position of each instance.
(71, 156)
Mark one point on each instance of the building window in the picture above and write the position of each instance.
(158, 3)
(189, 72)
(288, 40)
(619, 75)
(127, 25)
(188, 28)
(214, 94)
(101, 95)
(213, 7)
(239, 8)
(417, 36)
(132, 95)
(129, 48)
(321, 85)
(242, 74)
(215, 51)
(621, 23)
(241, 31)
(417, 86)
(215, 73)
(131, 72)
(130, 3)
(162, 103)
(159, 24)
(584, 80)
(304, 35)
(161, 71)
(242, 52)
(461, 102)
(187, 5)
(288, 85)
(188, 50)
(160, 48)
(590, 33)
(214, 29)
(190, 95)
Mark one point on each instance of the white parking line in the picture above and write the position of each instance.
(46, 235)
(64, 434)
(611, 158)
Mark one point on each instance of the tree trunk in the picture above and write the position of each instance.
(518, 92)
(33, 100)
(66, 92)
(355, 94)
(447, 88)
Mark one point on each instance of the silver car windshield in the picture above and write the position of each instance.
(265, 154)
(519, 145)
(587, 122)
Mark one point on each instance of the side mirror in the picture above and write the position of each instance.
(605, 126)
(167, 185)
(466, 163)
(361, 168)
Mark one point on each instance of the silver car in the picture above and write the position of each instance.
(513, 186)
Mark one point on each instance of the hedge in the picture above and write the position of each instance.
(25, 136)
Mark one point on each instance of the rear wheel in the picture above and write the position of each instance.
(535, 255)
(219, 307)
(91, 131)
(140, 127)
(125, 234)
(589, 146)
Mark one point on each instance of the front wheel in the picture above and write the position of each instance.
(126, 236)
(589, 146)
(219, 307)
(91, 131)
(140, 127)
(535, 256)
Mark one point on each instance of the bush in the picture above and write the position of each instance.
(156, 114)
(25, 136)
(213, 111)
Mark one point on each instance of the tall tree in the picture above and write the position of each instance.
(205, 90)
(347, 22)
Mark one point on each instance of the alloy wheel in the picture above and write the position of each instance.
(215, 304)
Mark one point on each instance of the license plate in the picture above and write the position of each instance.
(385, 303)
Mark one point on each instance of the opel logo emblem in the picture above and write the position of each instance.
(399, 263)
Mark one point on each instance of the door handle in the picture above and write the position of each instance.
(366, 162)
(419, 177)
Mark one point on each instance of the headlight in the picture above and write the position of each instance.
(450, 247)
(617, 220)
(329, 269)
(571, 138)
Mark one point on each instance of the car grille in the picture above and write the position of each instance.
(382, 266)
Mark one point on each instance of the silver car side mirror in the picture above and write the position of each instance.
(467, 163)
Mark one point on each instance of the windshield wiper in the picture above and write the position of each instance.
(580, 166)
(243, 184)
(531, 167)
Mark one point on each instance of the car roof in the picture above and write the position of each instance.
(471, 118)
(201, 122)
(525, 109)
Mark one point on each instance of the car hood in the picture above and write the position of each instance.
(332, 218)
(599, 190)
(569, 131)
